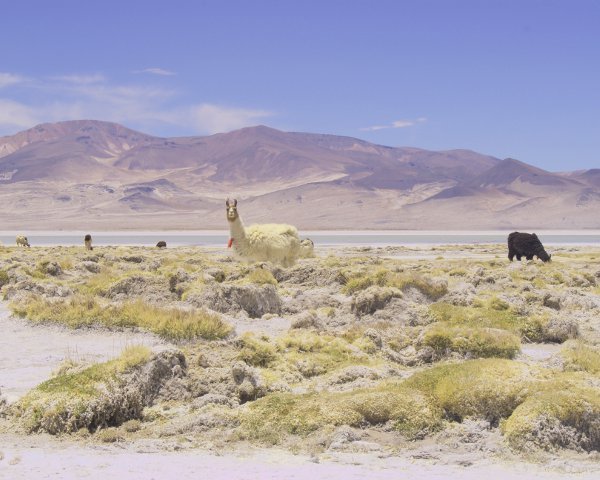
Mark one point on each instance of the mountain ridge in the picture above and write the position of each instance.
(59, 174)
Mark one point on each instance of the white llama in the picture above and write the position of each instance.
(22, 241)
(277, 243)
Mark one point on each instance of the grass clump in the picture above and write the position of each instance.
(316, 354)
(109, 435)
(472, 342)
(69, 401)
(489, 389)
(432, 288)
(271, 418)
(579, 356)
(257, 351)
(3, 278)
(480, 315)
(260, 276)
(565, 418)
(82, 310)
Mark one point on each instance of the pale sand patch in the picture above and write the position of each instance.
(65, 460)
(29, 353)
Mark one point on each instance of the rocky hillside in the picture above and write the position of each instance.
(92, 174)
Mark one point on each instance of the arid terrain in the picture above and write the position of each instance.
(86, 174)
(435, 361)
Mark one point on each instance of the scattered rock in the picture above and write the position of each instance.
(151, 288)
(21, 290)
(374, 336)
(89, 266)
(248, 381)
(558, 329)
(463, 295)
(255, 300)
(52, 268)
(215, 273)
(133, 258)
(373, 298)
(213, 399)
(350, 374)
(308, 320)
(551, 301)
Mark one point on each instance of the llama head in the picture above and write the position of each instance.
(232, 213)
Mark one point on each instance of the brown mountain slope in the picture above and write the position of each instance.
(103, 175)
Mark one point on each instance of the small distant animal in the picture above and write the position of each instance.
(271, 242)
(22, 241)
(526, 245)
(87, 240)
(162, 244)
(307, 248)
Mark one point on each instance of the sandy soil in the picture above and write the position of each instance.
(46, 458)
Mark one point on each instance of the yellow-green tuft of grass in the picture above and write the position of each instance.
(81, 310)
(489, 389)
(59, 404)
(324, 352)
(432, 288)
(261, 276)
(100, 282)
(579, 356)
(259, 352)
(494, 313)
(109, 435)
(480, 315)
(3, 278)
(271, 418)
(472, 342)
(565, 418)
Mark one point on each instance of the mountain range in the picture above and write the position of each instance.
(89, 174)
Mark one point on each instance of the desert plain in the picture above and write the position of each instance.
(430, 361)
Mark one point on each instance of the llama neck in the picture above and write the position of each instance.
(236, 230)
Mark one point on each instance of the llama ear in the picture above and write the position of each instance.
(235, 202)
(227, 202)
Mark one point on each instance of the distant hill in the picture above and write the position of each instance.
(92, 174)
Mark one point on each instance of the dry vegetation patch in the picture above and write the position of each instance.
(169, 323)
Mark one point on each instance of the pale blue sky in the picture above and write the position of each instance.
(518, 78)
